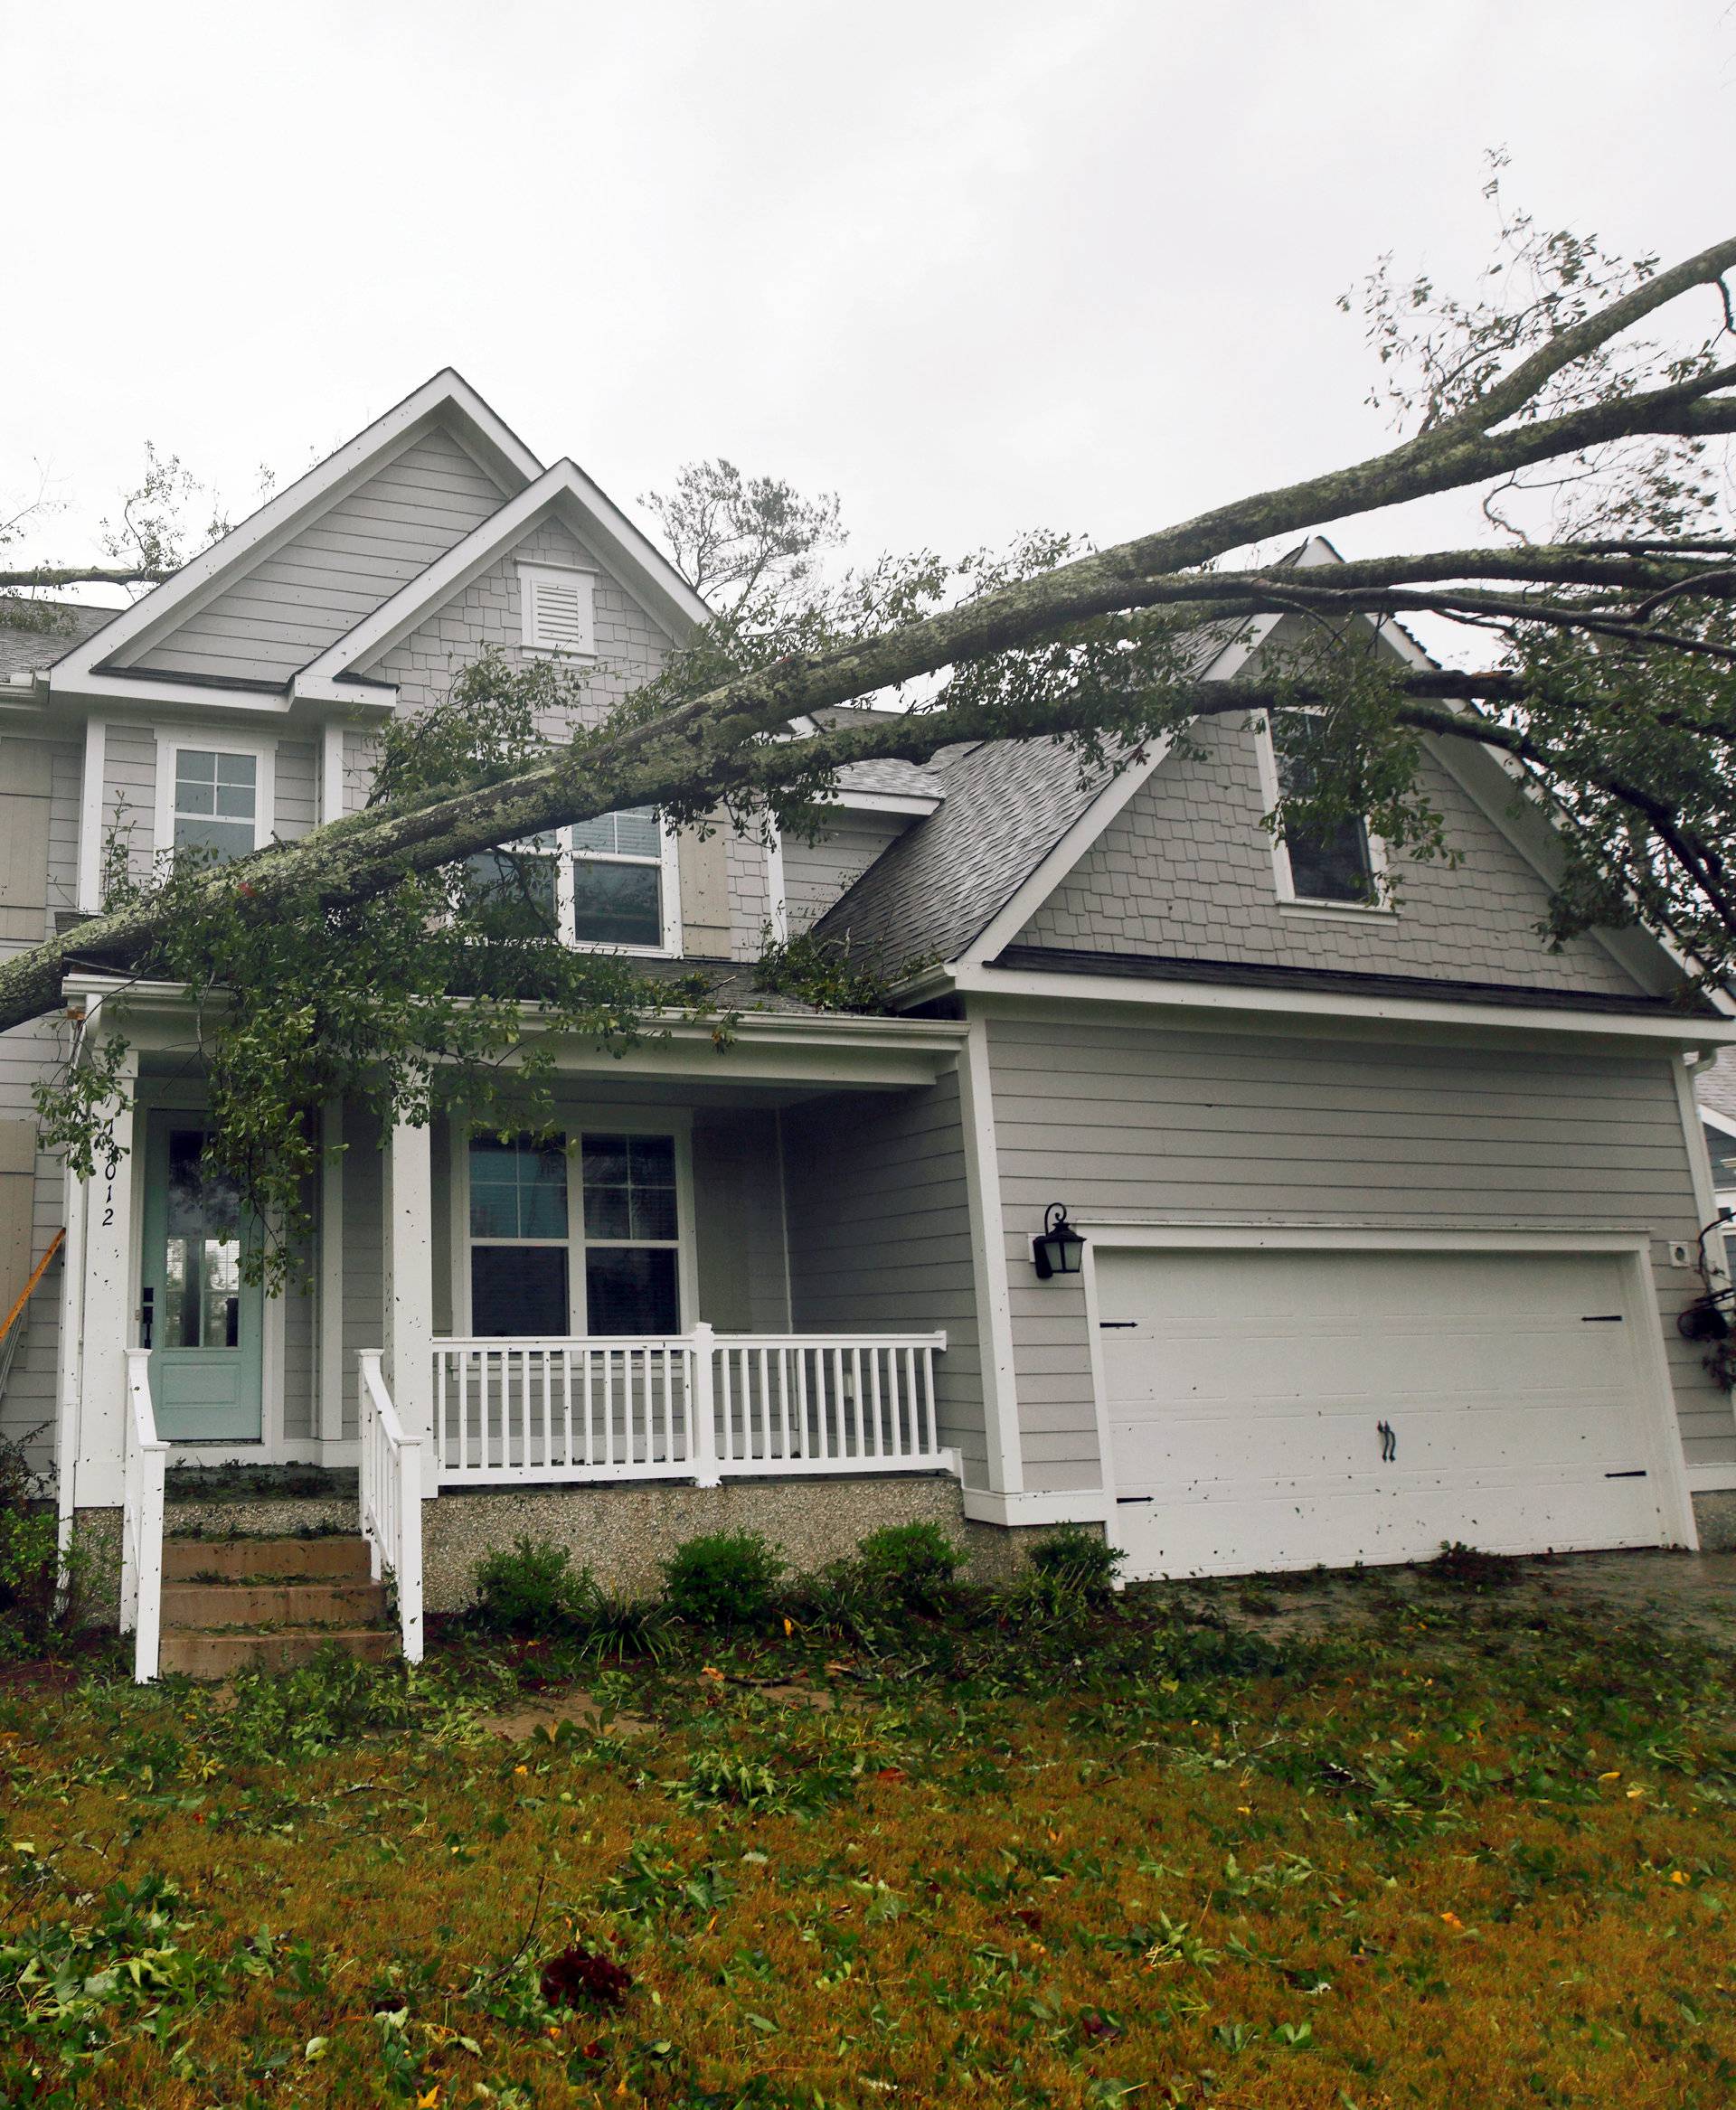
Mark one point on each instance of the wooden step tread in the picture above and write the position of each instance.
(195, 1655)
(330, 1559)
(272, 1604)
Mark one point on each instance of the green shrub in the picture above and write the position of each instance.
(723, 1578)
(911, 1564)
(1074, 1567)
(533, 1590)
(28, 1546)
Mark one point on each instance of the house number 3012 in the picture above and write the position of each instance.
(109, 1194)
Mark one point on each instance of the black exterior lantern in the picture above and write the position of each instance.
(1059, 1249)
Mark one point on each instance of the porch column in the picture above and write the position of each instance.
(336, 1377)
(110, 1314)
(409, 1217)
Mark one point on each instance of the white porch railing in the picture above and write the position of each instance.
(695, 1405)
(141, 1522)
(392, 1498)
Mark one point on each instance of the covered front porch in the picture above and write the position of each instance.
(752, 1263)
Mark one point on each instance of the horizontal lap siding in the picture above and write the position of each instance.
(129, 793)
(816, 873)
(743, 1287)
(880, 1236)
(1138, 1122)
(294, 604)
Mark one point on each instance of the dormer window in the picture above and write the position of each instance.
(1338, 867)
(556, 608)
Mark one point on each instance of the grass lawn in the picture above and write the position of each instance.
(1400, 1839)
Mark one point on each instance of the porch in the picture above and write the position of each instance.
(715, 1270)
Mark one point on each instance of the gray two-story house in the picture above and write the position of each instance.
(1386, 1212)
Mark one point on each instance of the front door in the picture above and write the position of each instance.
(204, 1327)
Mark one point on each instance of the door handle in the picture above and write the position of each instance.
(1389, 1437)
(147, 1315)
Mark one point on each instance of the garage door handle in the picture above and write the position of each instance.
(1634, 1473)
(1117, 1326)
(1122, 1501)
(1389, 1437)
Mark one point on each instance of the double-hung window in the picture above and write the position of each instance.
(214, 802)
(1336, 866)
(607, 883)
(547, 1261)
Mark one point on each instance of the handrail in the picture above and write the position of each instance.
(390, 1488)
(145, 1461)
(12, 1332)
(36, 1275)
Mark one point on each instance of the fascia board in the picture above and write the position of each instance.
(563, 491)
(917, 804)
(1026, 984)
(1713, 1119)
(136, 629)
(118, 688)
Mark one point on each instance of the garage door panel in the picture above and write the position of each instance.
(1281, 1409)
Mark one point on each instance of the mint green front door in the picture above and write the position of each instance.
(204, 1327)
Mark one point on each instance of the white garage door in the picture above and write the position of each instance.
(1284, 1409)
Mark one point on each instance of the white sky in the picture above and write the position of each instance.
(977, 265)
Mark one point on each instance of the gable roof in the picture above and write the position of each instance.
(563, 493)
(1009, 808)
(959, 886)
(101, 665)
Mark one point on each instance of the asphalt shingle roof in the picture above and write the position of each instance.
(34, 634)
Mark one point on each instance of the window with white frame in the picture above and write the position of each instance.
(557, 609)
(212, 801)
(618, 881)
(607, 883)
(1337, 866)
(540, 1268)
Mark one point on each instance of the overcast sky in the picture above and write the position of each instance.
(976, 264)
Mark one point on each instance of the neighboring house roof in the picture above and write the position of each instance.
(34, 634)
(1716, 1087)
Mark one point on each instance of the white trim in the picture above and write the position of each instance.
(978, 980)
(667, 863)
(333, 1393)
(1283, 876)
(331, 771)
(1006, 1455)
(564, 492)
(783, 1217)
(261, 747)
(1086, 1505)
(917, 804)
(581, 580)
(136, 629)
(1662, 1427)
(90, 815)
(1712, 1479)
(1713, 1119)
(776, 891)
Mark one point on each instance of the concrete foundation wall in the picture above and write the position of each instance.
(1714, 1518)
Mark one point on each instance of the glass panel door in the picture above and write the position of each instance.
(204, 1326)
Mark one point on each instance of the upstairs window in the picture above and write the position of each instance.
(1337, 866)
(618, 881)
(557, 609)
(607, 883)
(214, 802)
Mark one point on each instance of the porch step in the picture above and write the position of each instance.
(334, 1559)
(196, 1655)
(242, 1604)
(273, 1603)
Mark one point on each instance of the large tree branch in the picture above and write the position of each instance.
(51, 575)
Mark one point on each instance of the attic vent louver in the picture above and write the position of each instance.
(557, 609)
